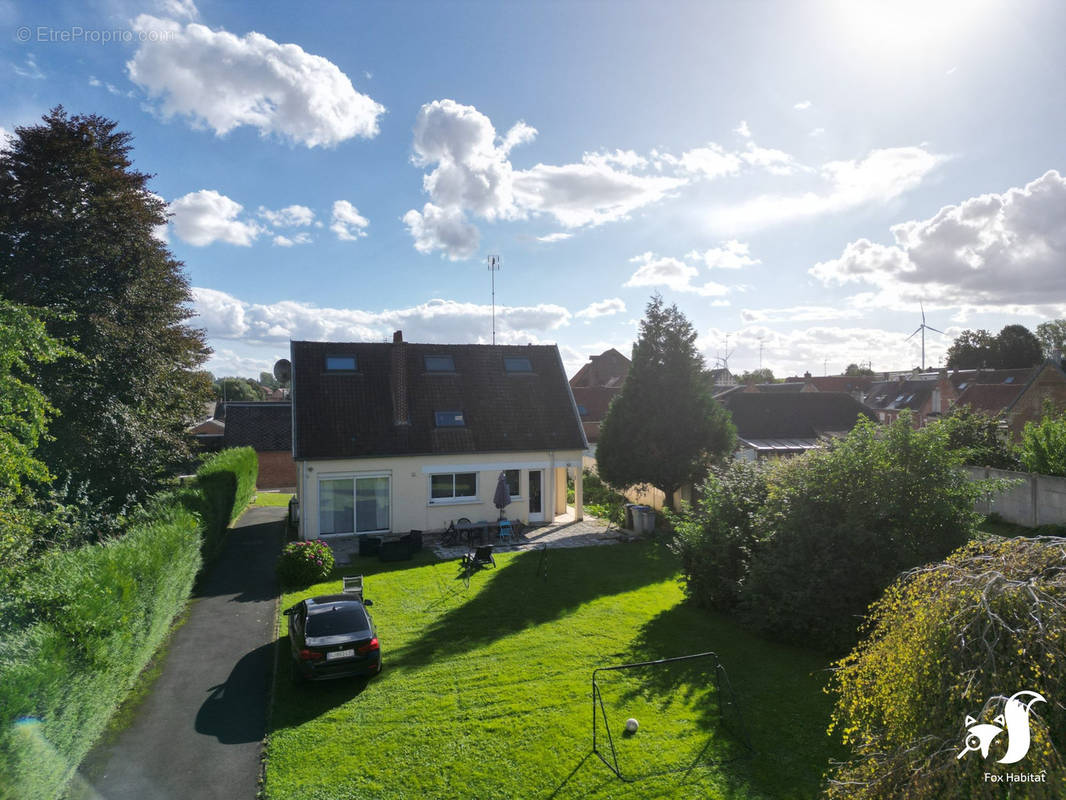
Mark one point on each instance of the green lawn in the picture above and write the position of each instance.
(486, 690)
(271, 499)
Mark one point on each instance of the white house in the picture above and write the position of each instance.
(389, 438)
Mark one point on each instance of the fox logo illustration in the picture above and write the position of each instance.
(1014, 720)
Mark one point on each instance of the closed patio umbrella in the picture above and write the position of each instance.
(502, 497)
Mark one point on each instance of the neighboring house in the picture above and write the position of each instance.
(780, 388)
(267, 428)
(788, 423)
(927, 396)
(404, 436)
(855, 385)
(594, 386)
(1016, 396)
(208, 434)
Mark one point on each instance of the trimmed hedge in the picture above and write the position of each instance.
(78, 626)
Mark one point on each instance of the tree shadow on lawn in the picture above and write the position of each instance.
(773, 698)
(517, 595)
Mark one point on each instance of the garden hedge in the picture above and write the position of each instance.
(78, 626)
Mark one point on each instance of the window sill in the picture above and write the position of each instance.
(458, 501)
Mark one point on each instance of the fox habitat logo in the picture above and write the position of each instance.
(1014, 721)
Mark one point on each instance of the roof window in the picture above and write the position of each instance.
(449, 419)
(341, 363)
(517, 364)
(439, 363)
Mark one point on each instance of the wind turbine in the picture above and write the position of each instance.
(921, 328)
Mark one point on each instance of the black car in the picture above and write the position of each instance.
(332, 636)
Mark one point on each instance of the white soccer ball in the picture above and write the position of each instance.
(632, 725)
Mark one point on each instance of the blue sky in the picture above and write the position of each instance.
(797, 177)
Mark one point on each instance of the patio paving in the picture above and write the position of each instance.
(563, 531)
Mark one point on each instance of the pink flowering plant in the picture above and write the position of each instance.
(304, 563)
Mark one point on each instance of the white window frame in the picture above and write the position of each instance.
(354, 477)
(453, 500)
(518, 496)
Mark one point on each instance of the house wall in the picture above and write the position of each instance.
(409, 503)
(277, 470)
(1049, 384)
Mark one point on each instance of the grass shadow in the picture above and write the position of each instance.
(516, 595)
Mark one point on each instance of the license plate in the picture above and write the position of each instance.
(339, 654)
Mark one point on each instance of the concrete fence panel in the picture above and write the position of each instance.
(1028, 499)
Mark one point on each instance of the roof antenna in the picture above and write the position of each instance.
(494, 267)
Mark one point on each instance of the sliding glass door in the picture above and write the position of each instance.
(357, 504)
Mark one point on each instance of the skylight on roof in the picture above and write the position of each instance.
(439, 363)
(582, 411)
(341, 363)
(449, 419)
(517, 364)
(1009, 379)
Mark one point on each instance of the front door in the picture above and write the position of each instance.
(536, 495)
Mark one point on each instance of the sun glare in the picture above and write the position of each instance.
(894, 28)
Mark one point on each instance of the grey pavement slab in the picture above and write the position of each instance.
(198, 733)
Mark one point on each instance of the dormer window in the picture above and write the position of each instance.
(439, 363)
(450, 419)
(341, 363)
(517, 364)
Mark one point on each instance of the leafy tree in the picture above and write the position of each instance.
(978, 438)
(947, 641)
(1017, 347)
(840, 523)
(76, 237)
(664, 426)
(854, 371)
(1013, 347)
(238, 389)
(268, 380)
(761, 375)
(1052, 336)
(972, 350)
(1043, 445)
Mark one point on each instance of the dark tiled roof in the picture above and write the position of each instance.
(801, 415)
(838, 383)
(351, 415)
(897, 395)
(780, 388)
(595, 399)
(609, 368)
(964, 378)
(262, 426)
(990, 398)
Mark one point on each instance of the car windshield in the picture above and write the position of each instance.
(337, 618)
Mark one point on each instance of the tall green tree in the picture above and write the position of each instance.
(972, 350)
(1016, 347)
(760, 375)
(77, 227)
(854, 370)
(1052, 336)
(664, 427)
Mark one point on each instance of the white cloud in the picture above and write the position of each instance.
(289, 241)
(29, 69)
(444, 229)
(226, 317)
(181, 9)
(203, 217)
(797, 314)
(988, 251)
(776, 162)
(558, 236)
(603, 308)
(816, 132)
(472, 174)
(223, 81)
(879, 177)
(711, 161)
(294, 216)
(347, 222)
(731, 255)
(743, 130)
(658, 271)
(803, 105)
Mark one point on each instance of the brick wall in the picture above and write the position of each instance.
(1050, 384)
(277, 470)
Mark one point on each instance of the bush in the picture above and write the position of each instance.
(946, 641)
(1043, 445)
(600, 500)
(226, 484)
(716, 537)
(77, 626)
(979, 438)
(304, 563)
(844, 521)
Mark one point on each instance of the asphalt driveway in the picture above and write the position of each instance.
(197, 735)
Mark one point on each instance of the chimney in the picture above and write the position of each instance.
(398, 380)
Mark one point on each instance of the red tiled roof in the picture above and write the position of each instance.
(990, 398)
(595, 400)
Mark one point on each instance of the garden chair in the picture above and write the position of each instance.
(481, 557)
(506, 531)
(353, 584)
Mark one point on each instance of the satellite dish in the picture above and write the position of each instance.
(283, 370)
